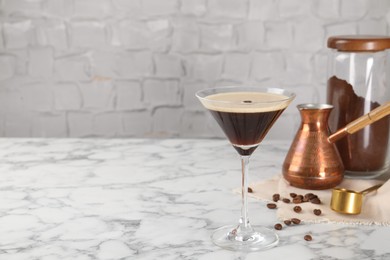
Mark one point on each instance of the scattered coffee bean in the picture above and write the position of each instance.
(305, 199)
(297, 200)
(310, 196)
(250, 190)
(293, 195)
(297, 209)
(315, 200)
(278, 226)
(296, 221)
(285, 200)
(317, 212)
(287, 222)
(308, 238)
(299, 197)
(276, 197)
(271, 205)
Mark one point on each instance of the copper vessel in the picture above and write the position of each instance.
(312, 161)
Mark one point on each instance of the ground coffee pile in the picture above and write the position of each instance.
(365, 150)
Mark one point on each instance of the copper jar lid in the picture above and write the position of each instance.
(359, 43)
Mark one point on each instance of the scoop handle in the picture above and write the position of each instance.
(364, 192)
(361, 122)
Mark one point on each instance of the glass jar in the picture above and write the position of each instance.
(357, 83)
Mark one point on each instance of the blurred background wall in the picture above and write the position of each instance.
(130, 68)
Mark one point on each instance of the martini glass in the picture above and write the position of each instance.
(245, 115)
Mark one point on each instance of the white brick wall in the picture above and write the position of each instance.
(92, 8)
(88, 34)
(250, 36)
(185, 36)
(107, 124)
(267, 65)
(74, 67)
(18, 34)
(327, 9)
(49, 125)
(137, 123)
(161, 93)
(41, 62)
(129, 95)
(37, 96)
(7, 66)
(354, 9)
(53, 33)
(67, 96)
(80, 124)
(234, 72)
(98, 95)
(227, 9)
(168, 65)
(193, 7)
(131, 68)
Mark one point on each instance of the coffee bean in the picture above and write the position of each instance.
(285, 200)
(276, 197)
(278, 226)
(296, 221)
(250, 190)
(293, 195)
(315, 200)
(297, 200)
(287, 222)
(271, 205)
(299, 197)
(310, 195)
(308, 238)
(297, 209)
(317, 212)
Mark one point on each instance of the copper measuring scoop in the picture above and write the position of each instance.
(349, 201)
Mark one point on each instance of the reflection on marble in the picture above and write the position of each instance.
(84, 199)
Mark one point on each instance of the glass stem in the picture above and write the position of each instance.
(244, 221)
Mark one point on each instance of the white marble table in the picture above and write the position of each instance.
(148, 199)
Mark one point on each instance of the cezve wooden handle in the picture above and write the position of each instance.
(361, 122)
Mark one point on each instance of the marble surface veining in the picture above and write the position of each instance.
(84, 199)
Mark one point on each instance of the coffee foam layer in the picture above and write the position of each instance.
(245, 102)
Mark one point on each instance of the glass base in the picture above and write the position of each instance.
(364, 175)
(259, 238)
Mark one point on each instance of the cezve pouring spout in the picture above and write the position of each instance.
(361, 122)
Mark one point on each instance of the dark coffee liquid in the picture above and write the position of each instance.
(365, 150)
(246, 130)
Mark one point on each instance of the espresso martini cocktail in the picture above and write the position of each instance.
(245, 114)
(247, 122)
